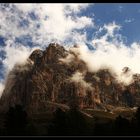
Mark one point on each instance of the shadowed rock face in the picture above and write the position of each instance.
(45, 82)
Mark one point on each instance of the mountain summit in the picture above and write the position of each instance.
(57, 77)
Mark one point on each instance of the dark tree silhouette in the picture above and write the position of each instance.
(16, 121)
(58, 125)
(135, 123)
(121, 126)
(103, 129)
(70, 123)
(137, 116)
(77, 123)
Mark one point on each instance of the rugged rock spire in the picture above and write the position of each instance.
(57, 77)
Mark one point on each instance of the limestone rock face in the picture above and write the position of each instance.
(57, 77)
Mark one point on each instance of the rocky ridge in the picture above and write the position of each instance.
(57, 77)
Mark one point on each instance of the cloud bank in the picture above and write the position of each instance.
(112, 53)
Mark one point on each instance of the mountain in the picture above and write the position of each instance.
(57, 77)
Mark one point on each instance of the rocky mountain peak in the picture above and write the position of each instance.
(59, 78)
(36, 55)
(53, 52)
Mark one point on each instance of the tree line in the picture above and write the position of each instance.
(68, 123)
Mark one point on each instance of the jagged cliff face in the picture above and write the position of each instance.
(58, 77)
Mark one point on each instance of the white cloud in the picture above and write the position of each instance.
(76, 7)
(129, 20)
(79, 78)
(52, 27)
(15, 54)
(112, 54)
(111, 27)
(120, 8)
(55, 22)
(1, 88)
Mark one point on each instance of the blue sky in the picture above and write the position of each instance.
(25, 27)
(126, 15)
